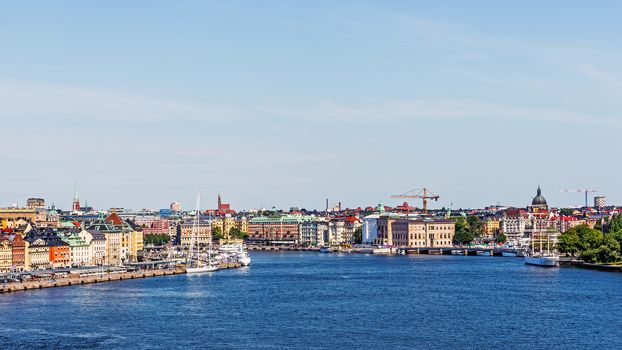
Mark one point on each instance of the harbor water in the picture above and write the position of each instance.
(306, 300)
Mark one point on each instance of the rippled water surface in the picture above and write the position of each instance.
(327, 301)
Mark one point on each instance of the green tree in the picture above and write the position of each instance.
(616, 224)
(237, 233)
(463, 235)
(217, 233)
(502, 238)
(475, 226)
(568, 242)
(357, 236)
(566, 211)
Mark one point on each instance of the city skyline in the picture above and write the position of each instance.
(281, 104)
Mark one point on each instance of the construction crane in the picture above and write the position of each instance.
(587, 192)
(421, 193)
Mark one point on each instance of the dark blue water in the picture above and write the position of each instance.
(328, 301)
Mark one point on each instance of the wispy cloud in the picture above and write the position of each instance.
(24, 99)
(84, 104)
(395, 110)
(600, 75)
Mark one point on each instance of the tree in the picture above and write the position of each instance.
(590, 245)
(463, 235)
(568, 242)
(566, 211)
(237, 233)
(217, 233)
(616, 224)
(475, 226)
(502, 238)
(357, 236)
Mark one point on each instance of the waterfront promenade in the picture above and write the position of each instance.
(76, 280)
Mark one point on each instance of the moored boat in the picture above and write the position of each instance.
(484, 253)
(546, 261)
(508, 253)
(325, 249)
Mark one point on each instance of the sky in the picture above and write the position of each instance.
(287, 103)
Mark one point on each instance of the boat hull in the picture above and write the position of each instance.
(484, 253)
(510, 254)
(546, 261)
(202, 269)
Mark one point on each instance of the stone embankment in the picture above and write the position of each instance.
(100, 278)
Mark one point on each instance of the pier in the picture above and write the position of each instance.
(76, 279)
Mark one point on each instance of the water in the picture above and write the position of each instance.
(328, 301)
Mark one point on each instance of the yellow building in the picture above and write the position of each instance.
(6, 255)
(491, 226)
(14, 214)
(402, 232)
(131, 244)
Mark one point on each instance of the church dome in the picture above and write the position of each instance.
(538, 200)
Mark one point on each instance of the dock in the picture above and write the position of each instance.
(77, 280)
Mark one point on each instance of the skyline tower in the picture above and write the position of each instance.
(76, 200)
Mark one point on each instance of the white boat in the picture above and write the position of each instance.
(382, 251)
(458, 252)
(508, 253)
(195, 263)
(547, 261)
(239, 251)
(542, 257)
(206, 268)
(483, 253)
(325, 249)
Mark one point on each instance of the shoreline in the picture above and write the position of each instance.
(12, 287)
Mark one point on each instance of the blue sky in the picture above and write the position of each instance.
(283, 103)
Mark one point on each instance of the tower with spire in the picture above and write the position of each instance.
(76, 200)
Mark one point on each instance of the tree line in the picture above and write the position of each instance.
(600, 244)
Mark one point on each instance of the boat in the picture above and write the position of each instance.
(484, 253)
(382, 251)
(195, 263)
(239, 251)
(546, 258)
(325, 249)
(509, 253)
(546, 261)
(458, 252)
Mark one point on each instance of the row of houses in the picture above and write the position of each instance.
(108, 241)
(302, 230)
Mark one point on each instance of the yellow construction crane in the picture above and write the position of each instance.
(421, 193)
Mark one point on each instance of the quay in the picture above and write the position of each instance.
(77, 279)
(471, 251)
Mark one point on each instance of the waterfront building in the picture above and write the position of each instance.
(397, 231)
(370, 228)
(491, 226)
(60, 253)
(6, 254)
(278, 230)
(39, 253)
(202, 237)
(124, 242)
(98, 246)
(514, 223)
(20, 256)
(314, 232)
(79, 248)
